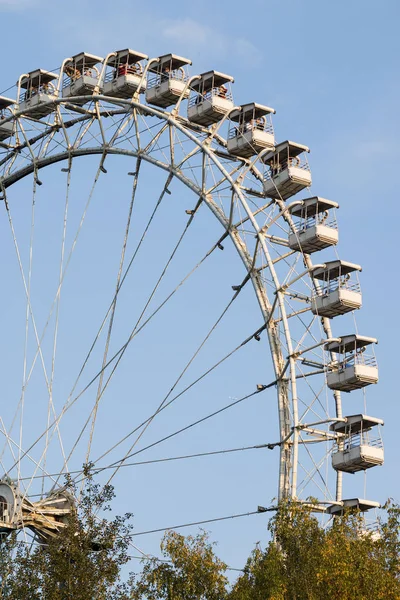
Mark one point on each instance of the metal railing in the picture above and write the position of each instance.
(273, 171)
(115, 73)
(31, 93)
(327, 287)
(87, 73)
(372, 527)
(158, 79)
(67, 81)
(354, 359)
(215, 92)
(362, 439)
(306, 223)
(239, 130)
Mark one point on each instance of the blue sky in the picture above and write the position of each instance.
(331, 72)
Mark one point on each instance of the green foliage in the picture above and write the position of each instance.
(191, 571)
(308, 562)
(303, 560)
(82, 563)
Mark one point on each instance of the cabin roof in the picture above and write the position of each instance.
(249, 111)
(211, 79)
(335, 268)
(83, 58)
(312, 206)
(349, 342)
(172, 61)
(132, 55)
(356, 503)
(285, 150)
(37, 77)
(357, 423)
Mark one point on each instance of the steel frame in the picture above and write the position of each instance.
(257, 262)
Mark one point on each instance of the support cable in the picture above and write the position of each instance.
(96, 470)
(57, 420)
(171, 435)
(70, 402)
(39, 341)
(114, 304)
(180, 377)
(57, 317)
(192, 384)
(28, 300)
(253, 512)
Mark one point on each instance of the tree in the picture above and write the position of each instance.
(191, 571)
(306, 561)
(303, 561)
(82, 563)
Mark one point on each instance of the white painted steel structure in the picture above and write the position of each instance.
(248, 184)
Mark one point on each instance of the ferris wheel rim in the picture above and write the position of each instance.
(180, 123)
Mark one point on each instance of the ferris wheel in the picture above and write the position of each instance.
(160, 251)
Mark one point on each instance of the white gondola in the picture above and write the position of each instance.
(81, 76)
(6, 128)
(315, 226)
(125, 74)
(338, 290)
(353, 367)
(40, 93)
(251, 130)
(357, 504)
(167, 81)
(357, 448)
(211, 98)
(288, 171)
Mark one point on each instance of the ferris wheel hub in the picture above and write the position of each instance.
(46, 517)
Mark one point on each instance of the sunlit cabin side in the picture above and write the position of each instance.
(355, 504)
(124, 75)
(37, 93)
(167, 80)
(10, 507)
(354, 366)
(337, 290)
(251, 130)
(359, 445)
(315, 226)
(287, 171)
(6, 127)
(81, 76)
(211, 98)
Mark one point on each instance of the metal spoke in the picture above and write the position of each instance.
(234, 191)
(114, 304)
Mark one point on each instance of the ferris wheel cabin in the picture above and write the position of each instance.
(287, 170)
(355, 504)
(168, 80)
(211, 98)
(39, 95)
(354, 367)
(81, 76)
(251, 130)
(6, 127)
(125, 74)
(315, 226)
(359, 446)
(339, 290)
